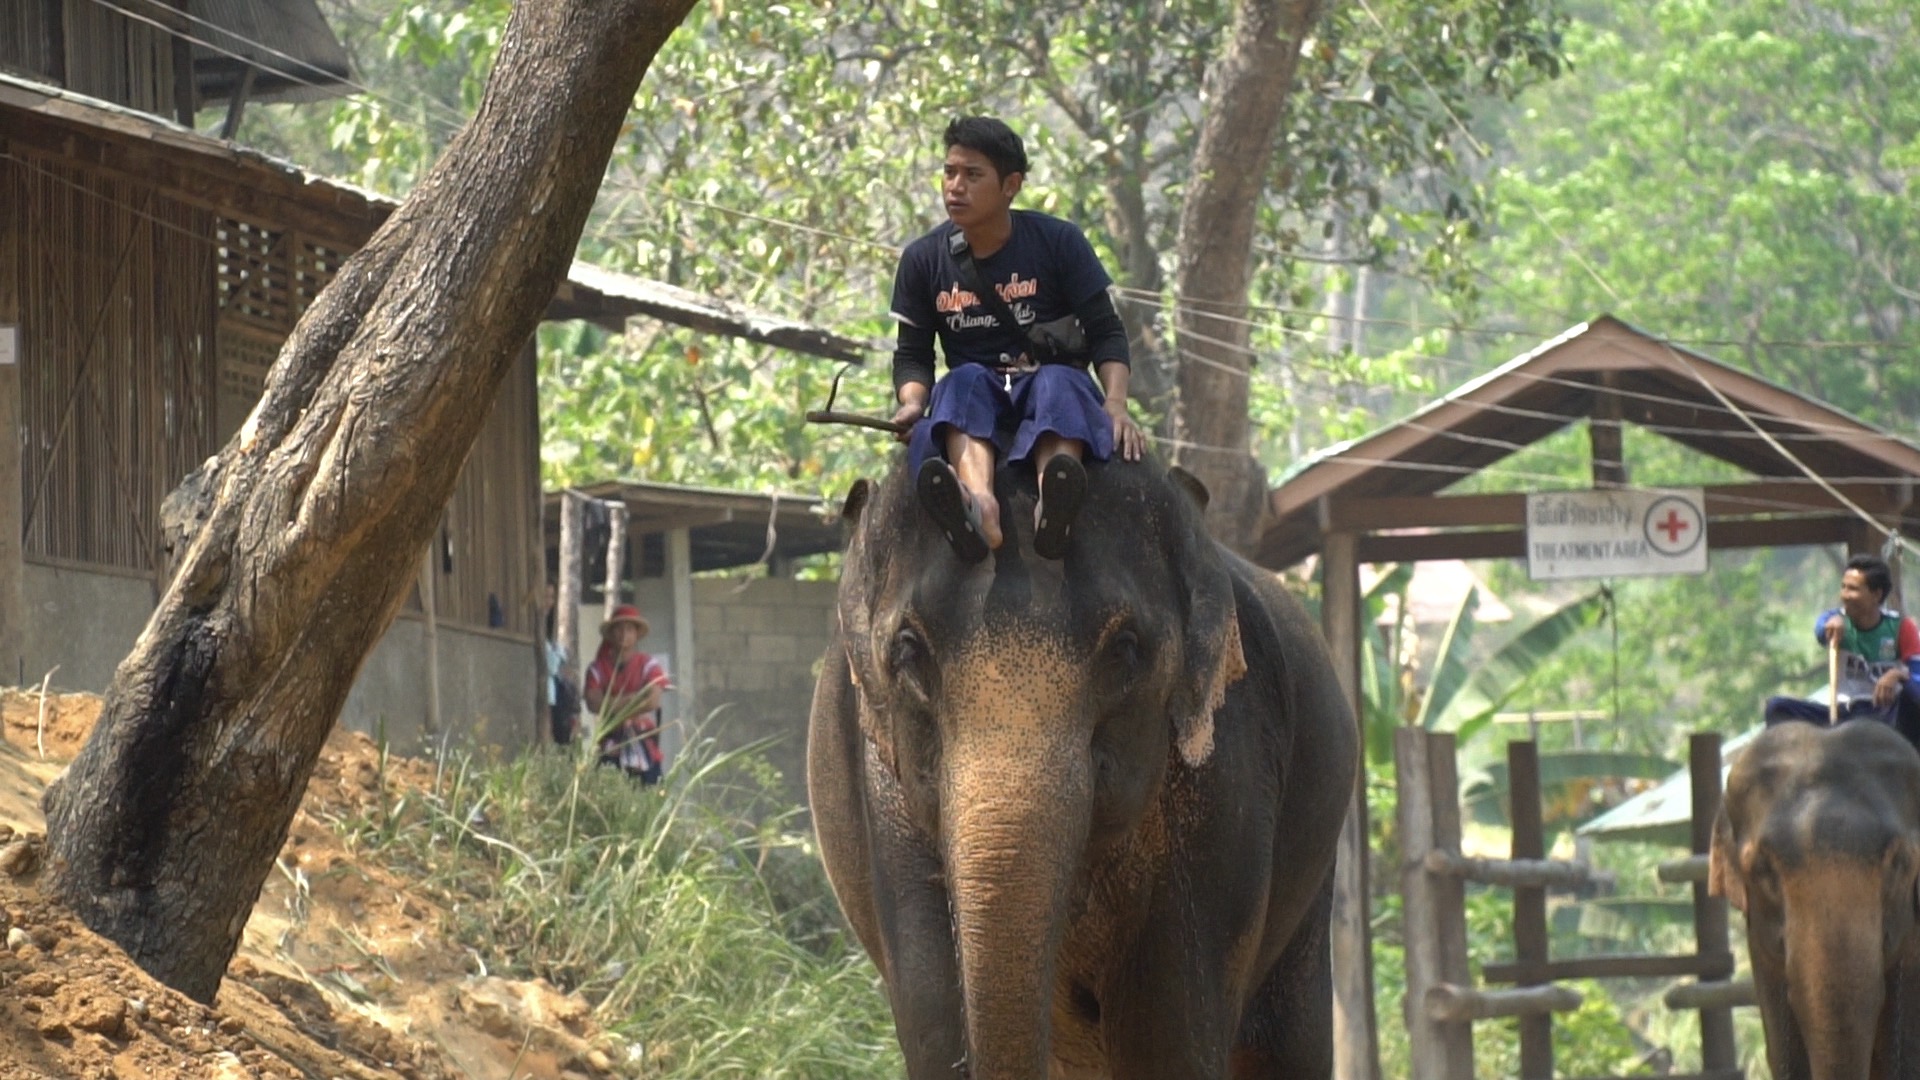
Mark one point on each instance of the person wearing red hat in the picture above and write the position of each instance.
(623, 687)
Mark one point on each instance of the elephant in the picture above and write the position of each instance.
(1818, 843)
(1082, 814)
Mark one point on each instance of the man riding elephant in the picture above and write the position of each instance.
(1878, 656)
(1082, 813)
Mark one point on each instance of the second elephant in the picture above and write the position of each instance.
(1818, 842)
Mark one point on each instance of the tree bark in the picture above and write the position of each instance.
(312, 519)
(1246, 97)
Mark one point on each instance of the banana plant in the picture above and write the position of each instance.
(1464, 694)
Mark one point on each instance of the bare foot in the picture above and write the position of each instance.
(989, 510)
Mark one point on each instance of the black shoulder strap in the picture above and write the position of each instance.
(962, 257)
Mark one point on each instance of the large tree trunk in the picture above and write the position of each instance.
(163, 830)
(1246, 98)
(1247, 92)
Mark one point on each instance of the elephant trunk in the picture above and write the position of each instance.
(1018, 817)
(1835, 985)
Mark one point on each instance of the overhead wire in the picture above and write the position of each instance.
(1726, 403)
(1727, 406)
(457, 121)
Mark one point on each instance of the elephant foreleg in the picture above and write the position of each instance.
(1287, 1028)
(1786, 1049)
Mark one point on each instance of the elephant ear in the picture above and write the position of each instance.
(1214, 658)
(1195, 488)
(1724, 877)
(856, 501)
(854, 612)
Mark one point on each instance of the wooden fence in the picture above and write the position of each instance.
(1442, 1003)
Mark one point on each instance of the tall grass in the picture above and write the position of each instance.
(704, 932)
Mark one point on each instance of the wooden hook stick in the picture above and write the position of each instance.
(1833, 678)
(818, 416)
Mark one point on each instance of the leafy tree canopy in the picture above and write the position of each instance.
(781, 154)
(1740, 175)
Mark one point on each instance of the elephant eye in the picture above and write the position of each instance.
(1122, 656)
(907, 656)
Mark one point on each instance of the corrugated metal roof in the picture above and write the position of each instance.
(294, 52)
(1663, 814)
(727, 528)
(608, 298)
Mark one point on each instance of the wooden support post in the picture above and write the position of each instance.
(616, 553)
(1356, 1045)
(1709, 912)
(1413, 812)
(1710, 995)
(680, 575)
(1529, 901)
(430, 637)
(13, 602)
(1677, 871)
(566, 627)
(1433, 912)
(186, 95)
(1603, 435)
(1542, 873)
(1465, 1004)
(1450, 899)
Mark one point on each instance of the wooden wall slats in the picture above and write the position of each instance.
(147, 327)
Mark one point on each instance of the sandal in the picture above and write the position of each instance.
(1063, 487)
(952, 509)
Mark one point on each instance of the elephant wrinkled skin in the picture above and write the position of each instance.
(1818, 842)
(1082, 814)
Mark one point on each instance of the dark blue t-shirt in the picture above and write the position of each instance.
(1044, 271)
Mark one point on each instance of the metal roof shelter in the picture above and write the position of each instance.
(1381, 487)
(724, 528)
(1381, 498)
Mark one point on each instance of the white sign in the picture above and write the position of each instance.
(1616, 533)
(9, 345)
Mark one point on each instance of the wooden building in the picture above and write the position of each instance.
(148, 276)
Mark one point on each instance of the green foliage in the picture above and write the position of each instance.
(1593, 1040)
(1467, 686)
(779, 154)
(1738, 174)
(710, 940)
(1573, 785)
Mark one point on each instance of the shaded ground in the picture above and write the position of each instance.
(341, 973)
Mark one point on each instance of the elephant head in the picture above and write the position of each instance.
(1818, 843)
(1026, 714)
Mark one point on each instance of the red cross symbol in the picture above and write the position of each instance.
(1673, 526)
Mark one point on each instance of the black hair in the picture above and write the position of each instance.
(992, 138)
(1874, 569)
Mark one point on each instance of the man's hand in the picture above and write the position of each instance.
(910, 410)
(906, 416)
(1128, 440)
(1835, 627)
(1886, 689)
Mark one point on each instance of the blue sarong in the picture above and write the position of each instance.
(1013, 412)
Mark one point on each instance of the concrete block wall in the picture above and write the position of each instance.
(757, 647)
(86, 622)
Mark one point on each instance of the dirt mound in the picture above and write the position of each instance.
(342, 971)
